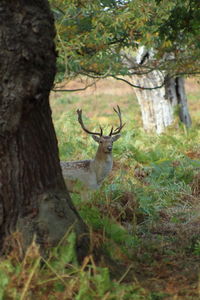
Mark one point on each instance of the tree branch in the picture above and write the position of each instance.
(125, 80)
(75, 90)
(137, 86)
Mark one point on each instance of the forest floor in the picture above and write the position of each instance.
(144, 221)
(166, 260)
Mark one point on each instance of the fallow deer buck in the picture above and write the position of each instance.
(91, 173)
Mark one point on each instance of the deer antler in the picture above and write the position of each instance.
(79, 112)
(118, 129)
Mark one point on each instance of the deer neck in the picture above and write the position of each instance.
(102, 164)
(102, 157)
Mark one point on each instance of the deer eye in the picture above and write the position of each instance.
(100, 142)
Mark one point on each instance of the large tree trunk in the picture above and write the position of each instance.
(156, 109)
(33, 197)
(157, 104)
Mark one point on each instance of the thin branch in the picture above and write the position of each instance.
(126, 81)
(97, 75)
(94, 74)
(75, 90)
(137, 86)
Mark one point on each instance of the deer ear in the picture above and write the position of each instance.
(116, 137)
(96, 138)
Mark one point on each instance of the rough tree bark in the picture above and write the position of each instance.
(33, 197)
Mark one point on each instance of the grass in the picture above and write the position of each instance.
(144, 221)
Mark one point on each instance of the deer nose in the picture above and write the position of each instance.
(109, 148)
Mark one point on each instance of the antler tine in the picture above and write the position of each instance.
(111, 131)
(101, 130)
(79, 113)
(118, 129)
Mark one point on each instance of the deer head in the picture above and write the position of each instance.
(105, 141)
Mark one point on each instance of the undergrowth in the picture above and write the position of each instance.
(59, 276)
(144, 220)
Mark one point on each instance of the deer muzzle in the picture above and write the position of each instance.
(109, 148)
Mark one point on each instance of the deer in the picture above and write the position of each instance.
(92, 172)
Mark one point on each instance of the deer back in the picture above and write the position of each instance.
(82, 171)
